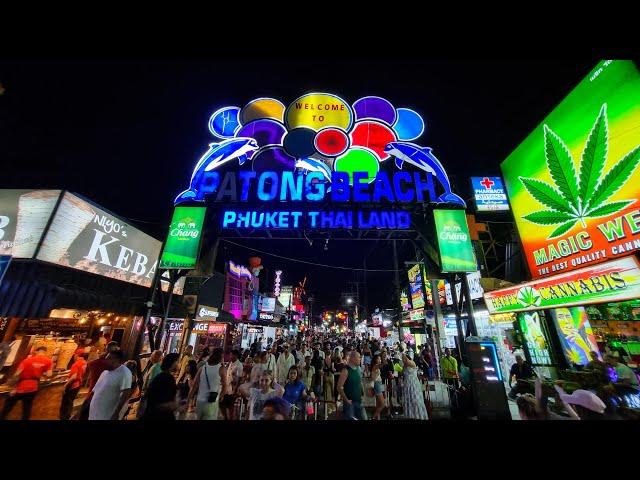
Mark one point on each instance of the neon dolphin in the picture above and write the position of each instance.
(217, 155)
(422, 158)
(311, 165)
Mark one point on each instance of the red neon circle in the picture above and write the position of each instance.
(373, 135)
(331, 142)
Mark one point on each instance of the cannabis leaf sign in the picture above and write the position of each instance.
(577, 196)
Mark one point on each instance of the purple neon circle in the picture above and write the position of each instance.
(376, 108)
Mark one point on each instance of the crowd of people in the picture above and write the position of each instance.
(292, 378)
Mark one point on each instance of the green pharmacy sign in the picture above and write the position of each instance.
(454, 241)
(183, 242)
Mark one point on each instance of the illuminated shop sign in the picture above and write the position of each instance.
(574, 182)
(318, 148)
(416, 315)
(266, 316)
(239, 271)
(489, 193)
(608, 282)
(183, 242)
(175, 326)
(207, 313)
(454, 241)
(276, 284)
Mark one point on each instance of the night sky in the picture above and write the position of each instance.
(126, 134)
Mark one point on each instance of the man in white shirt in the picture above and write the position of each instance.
(271, 363)
(285, 362)
(234, 377)
(625, 375)
(111, 390)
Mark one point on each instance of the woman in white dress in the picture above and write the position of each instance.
(412, 397)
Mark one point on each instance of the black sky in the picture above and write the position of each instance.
(126, 134)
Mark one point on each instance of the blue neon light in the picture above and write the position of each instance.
(494, 354)
(422, 158)
(271, 194)
(409, 125)
(225, 122)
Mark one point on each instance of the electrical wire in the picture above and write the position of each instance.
(306, 262)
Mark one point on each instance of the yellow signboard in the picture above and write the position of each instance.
(319, 110)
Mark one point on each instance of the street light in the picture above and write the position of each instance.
(349, 301)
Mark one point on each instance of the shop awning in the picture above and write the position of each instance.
(32, 289)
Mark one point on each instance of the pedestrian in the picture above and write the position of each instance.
(449, 369)
(133, 368)
(329, 380)
(296, 392)
(366, 354)
(234, 378)
(258, 396)
(72, 387)
(112, 389)
(184, 361)
(204, 355)
(276, 409)
(271, 362)
(377, 384)
(413, 405)
(154, 367)
(185, 384)
(521, 370)
(26, 380)
(162, 401)
(209, 387)
(284, 363)
(96, 367)
(350, 389)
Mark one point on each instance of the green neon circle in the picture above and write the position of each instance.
(358, 159)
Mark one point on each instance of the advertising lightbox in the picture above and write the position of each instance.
(576, 335)
(489, 194)
(608, 282)
(574, 182)
(183, 241)
(85, 237)
(23, 218)
(454, 241)
(415, 286)
(268, 304)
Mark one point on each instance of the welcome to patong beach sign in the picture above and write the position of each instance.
(320, 149)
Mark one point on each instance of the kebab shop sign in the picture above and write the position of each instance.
(608, 282)
(85, 237)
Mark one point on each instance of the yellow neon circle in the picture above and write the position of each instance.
(262, 108)
(319, 110)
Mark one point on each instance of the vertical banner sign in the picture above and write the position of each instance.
(183, 242)
(454, 241)
(415, 286)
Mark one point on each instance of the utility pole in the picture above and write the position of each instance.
(398, 302)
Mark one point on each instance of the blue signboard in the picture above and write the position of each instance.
(4, 265)
(489, 193)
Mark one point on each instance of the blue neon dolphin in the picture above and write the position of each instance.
(311, 165)
(422, 158)
(217, 155)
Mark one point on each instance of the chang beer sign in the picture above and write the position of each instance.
(574, 182)
(454, 241)
(183, 242)
(608, 282)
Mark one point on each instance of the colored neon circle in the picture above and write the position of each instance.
(273, 159)
(224, 123)
(373, 135)
(318, 111)
(265, 131)
(374, 108)
(331, 142)
(299, 142)
(409, 124)
(358, 159)
(262, 108)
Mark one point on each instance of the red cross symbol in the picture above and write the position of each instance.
(487, 183)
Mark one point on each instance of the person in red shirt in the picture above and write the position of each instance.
(72, 387)
(28, 375)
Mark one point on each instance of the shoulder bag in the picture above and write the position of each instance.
(213, 396)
